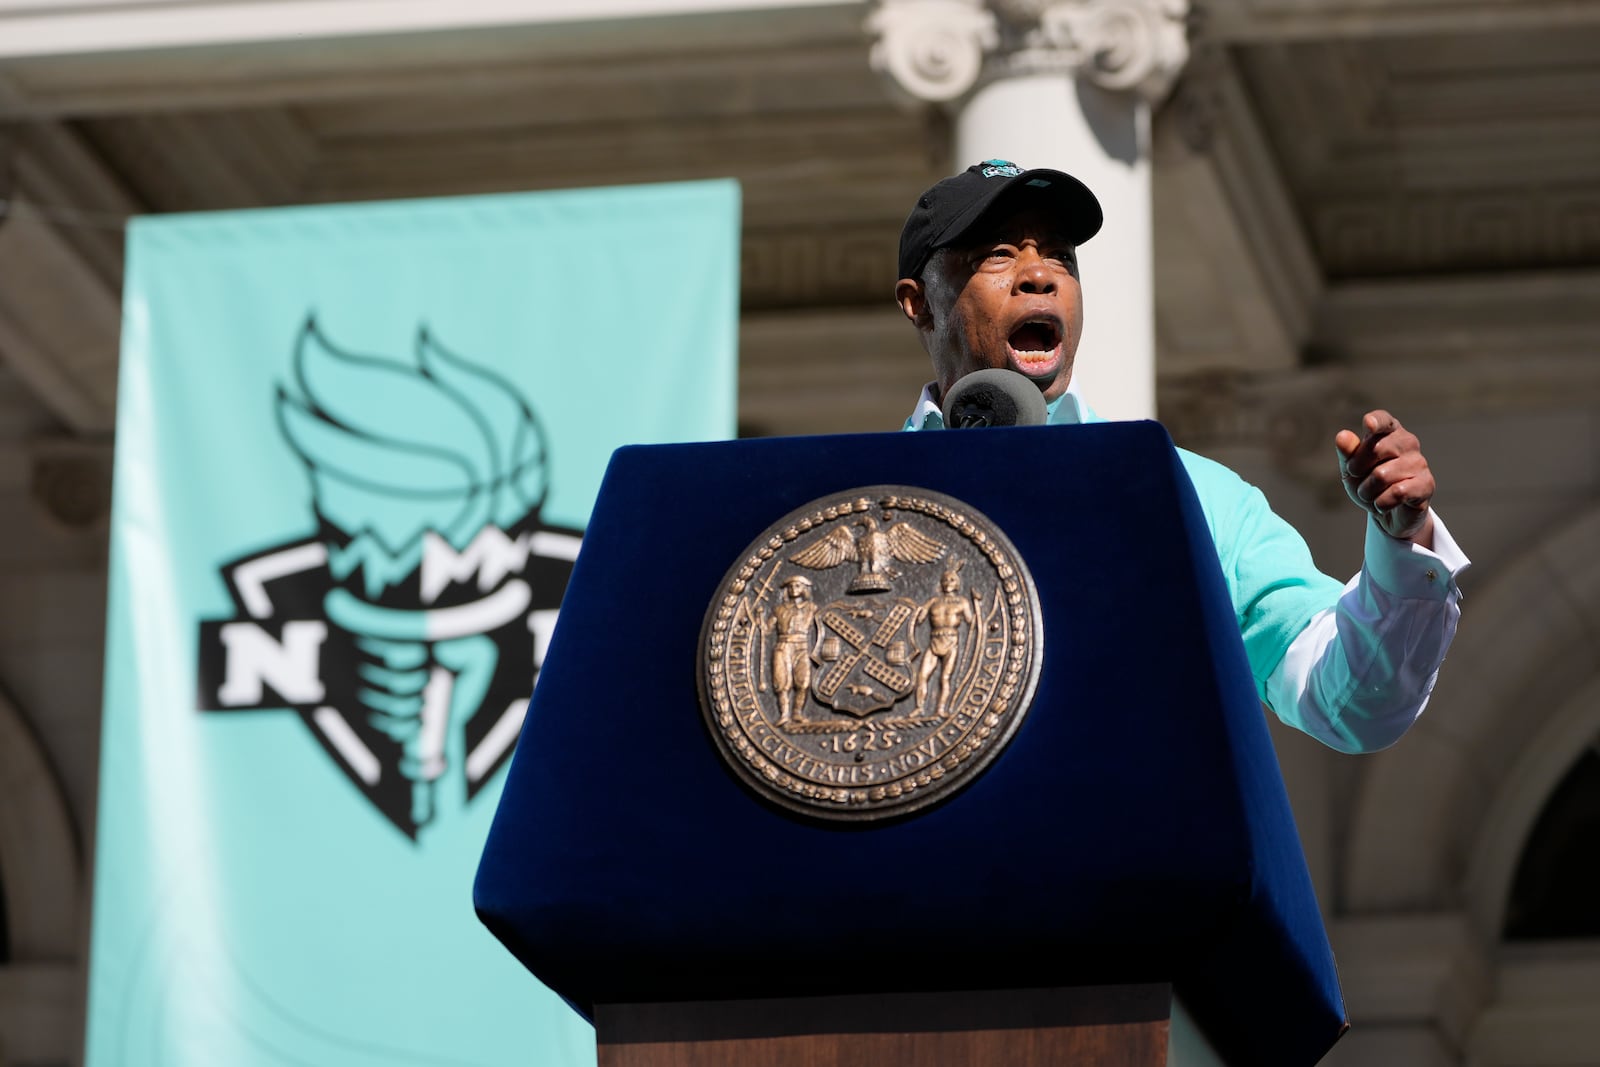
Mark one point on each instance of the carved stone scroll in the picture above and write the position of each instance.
(935, 51)
(932, 50)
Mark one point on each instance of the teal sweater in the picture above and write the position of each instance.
(1275, 587)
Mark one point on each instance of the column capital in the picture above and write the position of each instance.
(935, 51)
(932, 51)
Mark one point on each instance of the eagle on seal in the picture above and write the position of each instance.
(871, 551)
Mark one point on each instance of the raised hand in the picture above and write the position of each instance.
(1386, 474)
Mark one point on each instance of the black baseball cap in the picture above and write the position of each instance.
(952, 207)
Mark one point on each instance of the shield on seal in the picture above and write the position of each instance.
(863, 654)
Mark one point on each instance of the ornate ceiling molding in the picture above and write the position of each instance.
(843, 370)
(1454, 231)
(1291, 417)
(1506, 328)
(1221, 202)
(59, 309)
(1278, 20)
(789, 267)
(936, 51)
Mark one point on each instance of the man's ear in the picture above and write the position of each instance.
(913, 300)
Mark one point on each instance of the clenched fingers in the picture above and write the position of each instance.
(1385, 473)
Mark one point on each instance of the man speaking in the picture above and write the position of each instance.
(989, 278)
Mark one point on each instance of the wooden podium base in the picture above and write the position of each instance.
(1089, 1026)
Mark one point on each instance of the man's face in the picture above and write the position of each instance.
(1006, 296)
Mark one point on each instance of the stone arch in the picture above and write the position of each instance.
(39, 851)
(1520, 803)
(1526, 653)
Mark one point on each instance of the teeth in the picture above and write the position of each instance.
(1034, 356)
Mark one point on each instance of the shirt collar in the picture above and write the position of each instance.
(1068, 409)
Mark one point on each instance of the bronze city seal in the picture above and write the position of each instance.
(870, 653)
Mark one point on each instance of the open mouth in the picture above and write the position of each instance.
(1035, 346)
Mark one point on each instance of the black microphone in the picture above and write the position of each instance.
(994, 397)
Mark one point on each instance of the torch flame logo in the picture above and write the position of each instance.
(417, 602)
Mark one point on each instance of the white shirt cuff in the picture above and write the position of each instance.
(1408, 570)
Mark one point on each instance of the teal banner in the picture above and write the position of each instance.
(356, 449)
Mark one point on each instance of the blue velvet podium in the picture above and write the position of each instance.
(1133, 834)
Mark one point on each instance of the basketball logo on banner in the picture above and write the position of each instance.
(407, 630)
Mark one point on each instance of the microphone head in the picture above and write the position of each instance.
(994, 397)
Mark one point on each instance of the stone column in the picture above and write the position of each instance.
(1067, 84)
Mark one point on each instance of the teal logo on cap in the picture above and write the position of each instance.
(1000, 168)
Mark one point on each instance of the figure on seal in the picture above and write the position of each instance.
(945, 613)
(792, 620)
